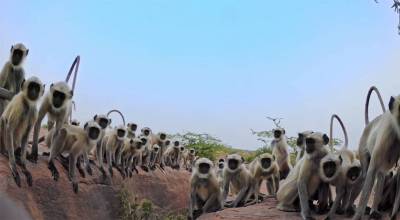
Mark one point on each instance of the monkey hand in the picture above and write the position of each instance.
(17, 178)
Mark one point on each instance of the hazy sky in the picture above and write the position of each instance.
(214, 66)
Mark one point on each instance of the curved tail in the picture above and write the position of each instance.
(75, 65)
(117, 111)
(346, 138)
(373, 88)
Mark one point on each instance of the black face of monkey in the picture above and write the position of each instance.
(17, 57)
(353, 173)
(139, 145)
(94, 133)
(204, 168)
(58, 99)
(103, 122)
(156, 149)
(121, 132)
(176, 143)
(310, 145)
(33, 91)
(221, 165)
(233, 164)
(163, 136)
(192, 151)
(182, 148)
(265, 163)
(167, 143)
(329, 168)
(277, 133)
(300, 140)
(144, 141)
(146, 132)
(133, 127)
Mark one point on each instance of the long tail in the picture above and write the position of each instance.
(120, 113)
(346, 138)
(373, 88)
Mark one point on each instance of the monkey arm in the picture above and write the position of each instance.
(340, 191)
(304, 176)
(36, 130)
(226, 187)
(192, 200)
(119, 154)
(240, 196)
(87, 163)
(211, 201)
(6, 94)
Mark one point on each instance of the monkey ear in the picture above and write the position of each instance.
(86, 124)
(22, 83)
(242, 159)
(71, 94)
(109, 121)
(391, 103)
(27, 51)
(283, 131)
(340, 159)
(326, 139)
(51, 85)
(44, 86)
(95, 117)
(12, 48)
(273, 157)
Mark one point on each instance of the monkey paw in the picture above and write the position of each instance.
(375, 215)
(111, 171)
(33, 157)
(351, 211)
(17, 178)
(339, 211)
(75, 187)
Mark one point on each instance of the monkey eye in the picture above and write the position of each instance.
(310, 141)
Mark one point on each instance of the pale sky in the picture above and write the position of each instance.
(214, 66)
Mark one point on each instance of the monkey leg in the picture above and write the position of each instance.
(397, 199)
(71, 173)
(366, 191)
(56, 149)
(26, 172)
(109, 161)
(375, 214)
(87, 163)
(340, 191)
(79, 166)
(11, 157)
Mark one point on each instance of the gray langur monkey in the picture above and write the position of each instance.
(301, 144)
(171, 156)
(264, 167)
(342, 170)
(161, 140)
(103, 121)
(75, 141)
(188, 158)
(205, 194)
(131, 129)
(12, 74)
(16, 123)
(131, 155)
(379, 152)
(281, 152)
(237, 179)
(113, 140)
(56, 105)
(304, 180)
(220, 172)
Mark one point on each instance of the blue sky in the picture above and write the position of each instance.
(214, 66)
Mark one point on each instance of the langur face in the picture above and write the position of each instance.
(120, 133)
(329, 168)
(17, 57)
(34, 91)
(58, 98)
(353, 173)
(266, 162)
(204, 168)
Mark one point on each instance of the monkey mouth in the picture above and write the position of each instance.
(310, 149)
(329, 169)
(266, 163)
(204, 168)
(233, 164)
(353, 173)
(94, 133)
(138, 146)
(156, 149)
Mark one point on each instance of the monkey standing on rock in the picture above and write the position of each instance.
(280, 151)
(56, 105)
(16, 124)
(12, 74)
